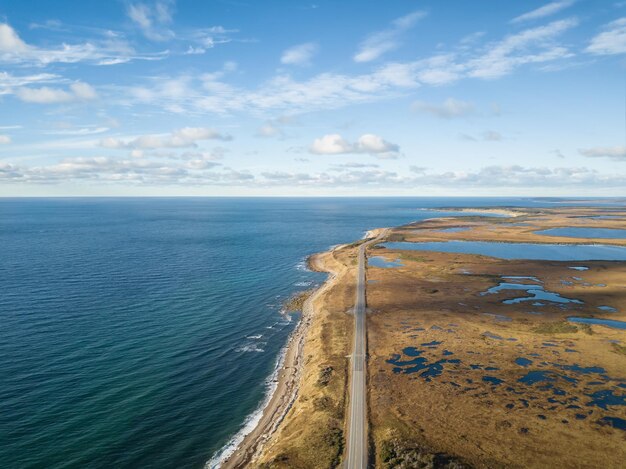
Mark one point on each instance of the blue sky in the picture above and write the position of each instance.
(232, 97)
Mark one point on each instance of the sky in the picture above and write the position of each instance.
(287, 98)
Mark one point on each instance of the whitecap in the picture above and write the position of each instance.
(302, 284)
(303, 265)
(251, 347)
(252, 420)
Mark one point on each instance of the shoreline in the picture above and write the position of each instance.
(284, 384)
(504, 212)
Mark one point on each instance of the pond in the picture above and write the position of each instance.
(534, 292)
(378, 261)
(455, 229)
(599, 322)
(552, 252)
(584, 232)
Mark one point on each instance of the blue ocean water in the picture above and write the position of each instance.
(140, 332)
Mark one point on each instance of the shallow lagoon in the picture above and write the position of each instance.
(378, 261)
(540, 294)
(601, 217)
(535, 292)
(455, 229)
(552, 252)
(600, 322)
(585, 232)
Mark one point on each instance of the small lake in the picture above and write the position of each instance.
(600, 322)
(534, 292)
(551, 252)
(583, 232)
(378, 261)
(455, 229)
(601, 217)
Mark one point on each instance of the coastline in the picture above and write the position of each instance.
(504, 212)
(247, 444)
(273, 419)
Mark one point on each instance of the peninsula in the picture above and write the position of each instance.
(484, 336)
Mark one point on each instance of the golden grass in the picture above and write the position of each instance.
(312, 433)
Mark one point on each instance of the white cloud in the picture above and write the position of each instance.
(81, 130)
(300, 54)
(182, 138)
(322, 91)
(449, 109)
(511, 52)
(211, 93)
(519, 176)
(78, 91)
(501, 177)
(542, 12)
(487, 136)
(375, 145)
(384, 41)
(152, 20)
(498, 58)
(199, 133)
(471, 39)
(9, 83)
(191, 50)
(107, 51)
(274, 127)
(611, 41)
(50, 25)
(83, 91)
(331, 144)
(342, 166)
(207, 38)
(335, 144)
(5, 139)
(135, 171)
(615, 153)
(10, 42)
(269, 130)
(193, 172)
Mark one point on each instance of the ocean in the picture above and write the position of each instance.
(141, 332)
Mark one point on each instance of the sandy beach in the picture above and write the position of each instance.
(287, 382)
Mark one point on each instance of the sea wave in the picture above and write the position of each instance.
(271, 383)
(303, 284)
(303, 265)
(253, 347)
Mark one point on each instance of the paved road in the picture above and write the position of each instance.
(357, 424)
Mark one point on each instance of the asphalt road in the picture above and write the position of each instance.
(357, 424)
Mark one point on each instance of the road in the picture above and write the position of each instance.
(357, 424)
